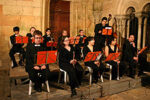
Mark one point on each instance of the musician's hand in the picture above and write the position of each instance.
(133, 44)
(71, 61)
(43, 67)
(36, 67)
(97, 63)
(75, 61)
(117, 60)
(99, 31)
(50, 41)
(135, 58)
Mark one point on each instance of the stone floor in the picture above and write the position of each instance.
(142, 93)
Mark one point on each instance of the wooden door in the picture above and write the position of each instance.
(59, 17)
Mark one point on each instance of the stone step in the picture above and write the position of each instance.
(85, 92)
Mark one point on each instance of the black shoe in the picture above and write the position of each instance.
(21, 63)
(95, 80)
(39, 89)
(73, 92)
(14, 65)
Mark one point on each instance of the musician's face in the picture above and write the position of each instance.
(131, 38)
(66, 41)
(92, 42)
(82, 33)
(114, 41)
(32, 30)
(104, 22)
(38, 39)
(16, 32)
(64, 33)
(48, 32)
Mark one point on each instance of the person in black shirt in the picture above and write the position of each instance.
(80, 45)
(30, 35)
(37, 73)
(97, 66)
(16, 48)
(68, 63)
(99, 38)
(129, 55)
(64, 33)
(112, 48)
(48, 38)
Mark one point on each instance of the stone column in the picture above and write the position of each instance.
(144, 31)
(139, 30)
(128, 28)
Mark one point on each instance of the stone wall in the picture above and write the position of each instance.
(22, 13)
(84, 14)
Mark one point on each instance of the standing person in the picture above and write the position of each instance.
(30, 35)
(80, 45)
(112, 48)
(99, 38)
(97, 66)
(16, 48)
(129, 55)
(68, 63)
(37, 73)
(48, 38)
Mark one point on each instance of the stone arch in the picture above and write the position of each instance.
(146, 8)
(146, 25)
(125, 5)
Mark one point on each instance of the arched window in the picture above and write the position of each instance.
(146, 37)
(132, 23)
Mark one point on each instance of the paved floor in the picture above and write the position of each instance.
(142, 93)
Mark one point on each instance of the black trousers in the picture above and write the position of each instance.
(114, 68)
(123, 66)
(97, 70)
(75, 74)
(38, 77)
(13, 51)
(133, 68)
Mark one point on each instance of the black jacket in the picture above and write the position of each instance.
(14, 44)
(128, 52)
(31, 55)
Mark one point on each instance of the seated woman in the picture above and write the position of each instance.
(48, 38)
(30, 35)
(68, 63)
(97, 66)
(112, 48)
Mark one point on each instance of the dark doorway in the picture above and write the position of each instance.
(134, 27)
(59, 17)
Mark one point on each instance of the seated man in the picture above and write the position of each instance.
(16, 48)
(37, 73)
(129, 55)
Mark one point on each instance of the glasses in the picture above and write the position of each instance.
(38, 37)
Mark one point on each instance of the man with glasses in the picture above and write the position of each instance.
(37, 73)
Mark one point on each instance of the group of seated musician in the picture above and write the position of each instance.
(70, 53)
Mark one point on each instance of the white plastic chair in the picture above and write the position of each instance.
(30, 87)
(90, 75)
(110, 71)
(65, 76)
